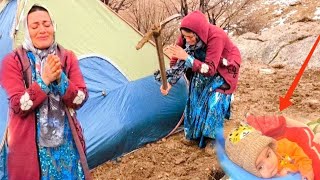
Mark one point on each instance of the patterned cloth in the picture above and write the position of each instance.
(61, 161)
(174, 73)
(177, 71)
(3, 160)
(52, 113)
(206, 109)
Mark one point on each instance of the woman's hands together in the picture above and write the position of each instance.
(52, 69)
(176, 51)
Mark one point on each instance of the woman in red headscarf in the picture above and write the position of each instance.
(212, 62)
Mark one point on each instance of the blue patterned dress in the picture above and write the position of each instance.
(206, 108)
(61, 162)
(3, 160)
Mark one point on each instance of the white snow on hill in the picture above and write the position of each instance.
(317, 14)
(283, 2)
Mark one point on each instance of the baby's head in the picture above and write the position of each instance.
(252, 151)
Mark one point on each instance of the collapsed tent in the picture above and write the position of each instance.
(125, 109)
(119, 115)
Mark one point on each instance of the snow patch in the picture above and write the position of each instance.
(282, 20)
(283, 2)
(277, 12)
(317, 14)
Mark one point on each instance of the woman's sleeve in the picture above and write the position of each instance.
(76, 93)
(22, 100)
(173, 61)
(213, 55)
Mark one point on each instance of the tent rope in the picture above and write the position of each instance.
(175, 128)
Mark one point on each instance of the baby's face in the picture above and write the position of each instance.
(267, 163)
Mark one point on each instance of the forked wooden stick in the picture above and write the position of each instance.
(155, 32)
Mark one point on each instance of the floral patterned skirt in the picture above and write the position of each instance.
(62, 162)
(206, 109)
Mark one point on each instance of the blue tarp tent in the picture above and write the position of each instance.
(3, 125)
(7, 16)
(121, 115)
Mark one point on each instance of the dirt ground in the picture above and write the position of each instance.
(259, 89)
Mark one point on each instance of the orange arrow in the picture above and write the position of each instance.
(285, 102)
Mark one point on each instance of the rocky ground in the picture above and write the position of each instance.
(259, 89)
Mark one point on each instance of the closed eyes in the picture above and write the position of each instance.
(45, 24)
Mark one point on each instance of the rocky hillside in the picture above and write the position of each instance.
(287, 31)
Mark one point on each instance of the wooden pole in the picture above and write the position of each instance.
(155, 32)
(158, 41)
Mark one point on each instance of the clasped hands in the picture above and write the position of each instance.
(175, 51)
(52, 69)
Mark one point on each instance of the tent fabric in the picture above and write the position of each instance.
(137, 113)
(7, 16)
(91, 27)
(3, 112)
(234, 171)
(3, 125)
(3, 4)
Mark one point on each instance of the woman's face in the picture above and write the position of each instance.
(190, 37)
(267, 163)
(40, 29)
